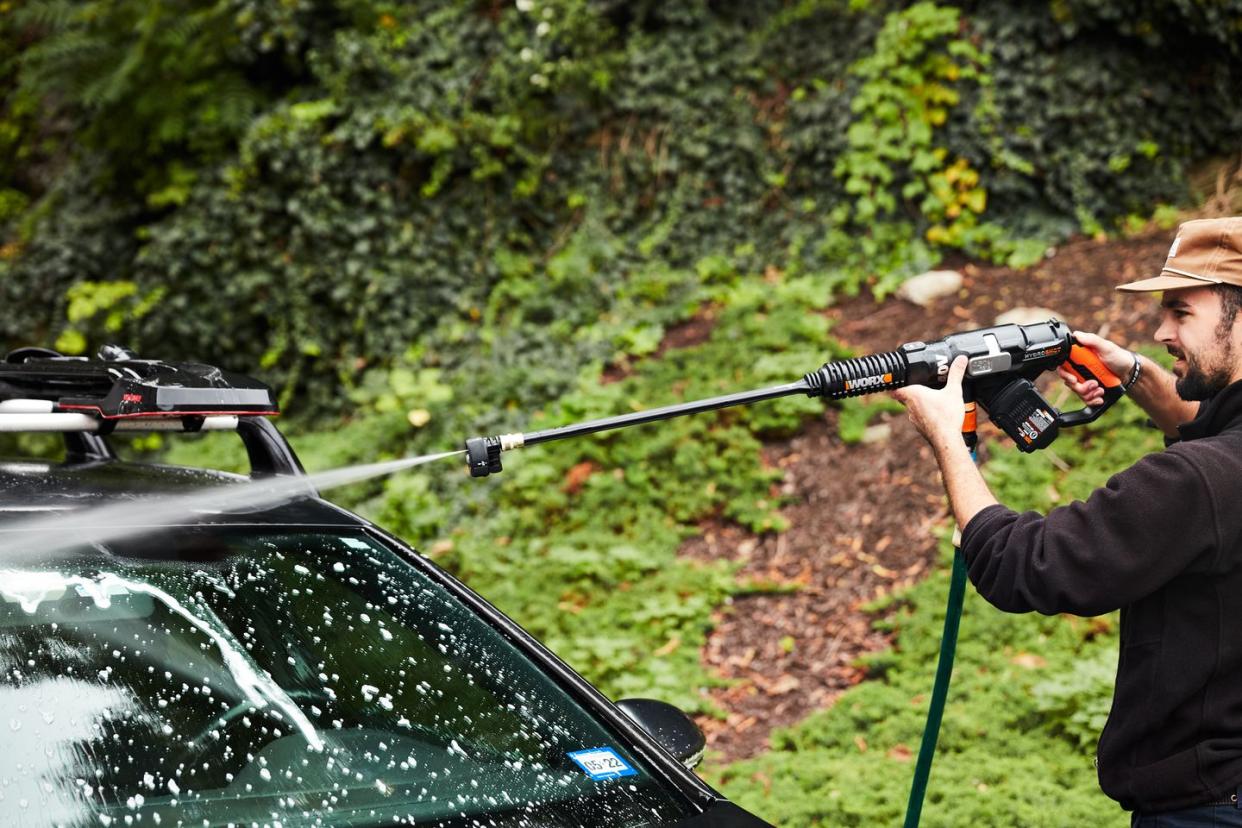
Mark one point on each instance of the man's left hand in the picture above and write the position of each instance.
(937, 414)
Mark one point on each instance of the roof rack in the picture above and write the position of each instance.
(86, 400)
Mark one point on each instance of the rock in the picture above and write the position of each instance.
(927, 287)
(1025, 316)
(877, 433)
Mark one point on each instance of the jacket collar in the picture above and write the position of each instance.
(1215, 414)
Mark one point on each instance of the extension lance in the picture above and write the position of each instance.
(1004, 361)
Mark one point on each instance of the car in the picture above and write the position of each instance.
(168, 661)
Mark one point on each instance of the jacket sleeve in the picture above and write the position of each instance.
(1146, 525)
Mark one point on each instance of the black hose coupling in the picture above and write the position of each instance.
(857, 376)
(483, 456)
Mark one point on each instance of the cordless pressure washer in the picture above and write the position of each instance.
(1004, 361)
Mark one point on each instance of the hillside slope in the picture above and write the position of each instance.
(862, 517)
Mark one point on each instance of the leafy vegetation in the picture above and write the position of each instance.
(426, 222)
(311, 186)
(578, 540)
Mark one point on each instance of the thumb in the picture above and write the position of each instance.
(1089, 339)
(956, 371)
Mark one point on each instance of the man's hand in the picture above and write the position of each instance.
(938, 417)
(937, 414)
(1115, 358)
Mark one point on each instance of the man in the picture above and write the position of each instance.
(1161, 540)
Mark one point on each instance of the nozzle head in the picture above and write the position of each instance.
(483, 456)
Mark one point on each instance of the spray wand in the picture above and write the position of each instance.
(1004, 361)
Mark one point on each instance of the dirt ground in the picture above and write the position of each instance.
(861, 516)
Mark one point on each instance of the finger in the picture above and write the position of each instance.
(1089, 339)
(1079, 386)
(1096, 343)
(956, 371)
(1075, 382)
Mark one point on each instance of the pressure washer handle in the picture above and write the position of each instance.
(1085, 365)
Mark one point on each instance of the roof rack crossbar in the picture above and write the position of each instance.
(64, 422)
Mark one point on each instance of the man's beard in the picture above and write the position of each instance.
(1201, 383)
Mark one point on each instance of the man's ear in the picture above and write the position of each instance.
(1235, 333)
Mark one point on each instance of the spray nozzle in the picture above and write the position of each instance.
(483, 453)
(483, 456)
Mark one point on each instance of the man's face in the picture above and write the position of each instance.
(1191, 330)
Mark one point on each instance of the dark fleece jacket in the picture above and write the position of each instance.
(1162, 541)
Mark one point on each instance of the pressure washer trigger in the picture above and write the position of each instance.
(1085, 365)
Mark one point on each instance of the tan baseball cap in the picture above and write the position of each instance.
(1205, 252)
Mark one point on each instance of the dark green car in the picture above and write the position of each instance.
(289, 665)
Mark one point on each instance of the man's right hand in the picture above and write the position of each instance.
(1115, 358)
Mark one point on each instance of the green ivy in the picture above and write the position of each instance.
(908, 90)
(316, 184)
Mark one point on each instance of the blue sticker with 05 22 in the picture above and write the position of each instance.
(602, 763)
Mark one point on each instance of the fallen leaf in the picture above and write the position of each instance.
(884, 572)
(1029, 660)
(577, 476)
(900, 752)
(1100, 625)
(783, 685)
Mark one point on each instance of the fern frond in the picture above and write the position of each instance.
(51, 15)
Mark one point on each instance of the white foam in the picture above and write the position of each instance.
(260, 689)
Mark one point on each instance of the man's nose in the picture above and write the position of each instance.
(1164, 334)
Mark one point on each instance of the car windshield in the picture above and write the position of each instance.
(215, 677)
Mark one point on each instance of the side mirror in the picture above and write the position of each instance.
(674, 730)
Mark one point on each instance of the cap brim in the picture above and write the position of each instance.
(1164, 282)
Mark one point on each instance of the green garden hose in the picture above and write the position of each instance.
(948, 649)
(940, 690)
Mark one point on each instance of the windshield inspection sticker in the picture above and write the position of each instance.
(602, 763)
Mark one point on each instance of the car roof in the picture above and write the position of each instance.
(30, 488)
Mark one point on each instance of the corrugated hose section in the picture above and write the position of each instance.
(858, 376)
